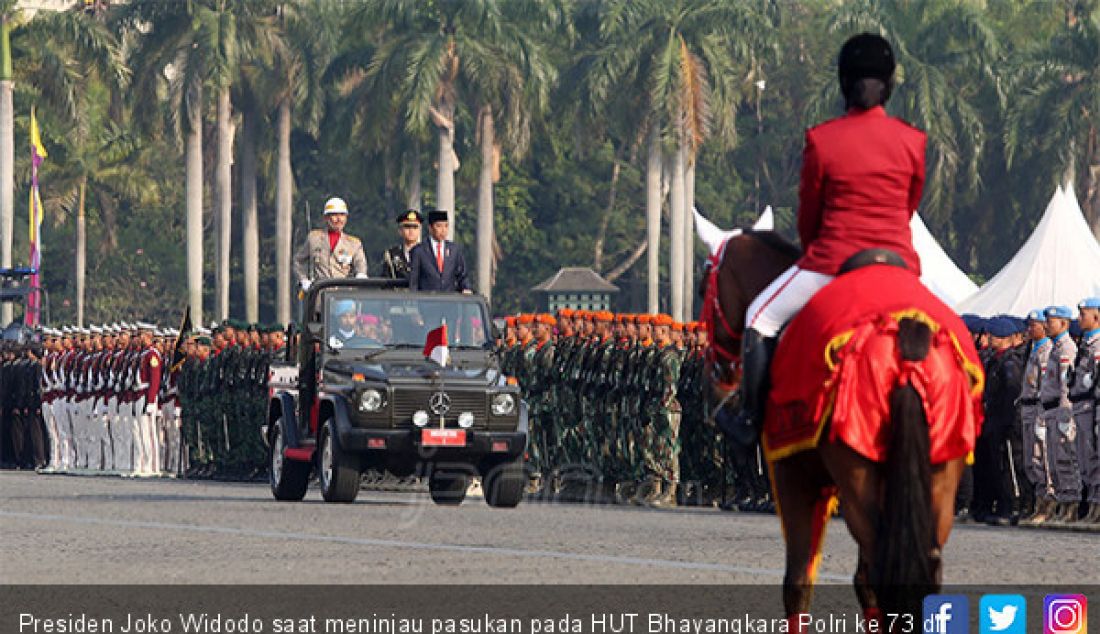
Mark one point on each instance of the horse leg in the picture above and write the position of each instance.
(804, 497)
(858, 482)
(945, 484)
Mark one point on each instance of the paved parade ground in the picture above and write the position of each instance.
(110, 530)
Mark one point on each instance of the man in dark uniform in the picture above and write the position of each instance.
(395, 260)
(438, 264)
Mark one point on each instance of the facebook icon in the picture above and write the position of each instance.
(946, 614)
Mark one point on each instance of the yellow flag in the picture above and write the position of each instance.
(36, 139)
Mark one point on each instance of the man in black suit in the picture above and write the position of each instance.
(437, 264)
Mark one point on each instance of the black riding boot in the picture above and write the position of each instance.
(756, 356)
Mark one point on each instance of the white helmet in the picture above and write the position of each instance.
(336, 206)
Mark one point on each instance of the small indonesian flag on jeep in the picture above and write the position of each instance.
(435, 347)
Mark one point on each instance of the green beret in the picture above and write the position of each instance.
(203, 341)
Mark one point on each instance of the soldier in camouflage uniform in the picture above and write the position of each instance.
(542, 401)
(663, 442)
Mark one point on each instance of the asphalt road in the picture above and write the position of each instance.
(66, 529)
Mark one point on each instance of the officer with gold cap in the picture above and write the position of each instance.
(395, 260)
(329, 252)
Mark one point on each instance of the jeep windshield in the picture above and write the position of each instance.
(359, 322)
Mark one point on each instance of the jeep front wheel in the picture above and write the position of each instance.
(447, 487)
(504, 484)
(289, 479)
(339, 470)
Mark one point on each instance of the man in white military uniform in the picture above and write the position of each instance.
(329, 253)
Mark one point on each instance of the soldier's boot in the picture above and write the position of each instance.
(1066, 513)
(624, 491)
(1093, 516)
(655, 492)
(744, 426)
(642, 491)
(1043, 510)
(667, 497)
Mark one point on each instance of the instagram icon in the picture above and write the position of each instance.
(1065, 614)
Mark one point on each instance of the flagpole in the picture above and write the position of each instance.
(38, 154)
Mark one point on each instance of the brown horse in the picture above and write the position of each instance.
(899, 512)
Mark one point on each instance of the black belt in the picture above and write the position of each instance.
(1029, 401)
(1080, 397)
(1051, 404)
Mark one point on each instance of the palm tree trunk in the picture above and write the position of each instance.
(413, 194)
(689, 240)
(676, 226)
(445, 182)
(485, 204)
(223, 181)
(193, 158)
(81, 252)
(605, 222)
(250, 222)
(283, 216)
(7, 157)
(653, 221)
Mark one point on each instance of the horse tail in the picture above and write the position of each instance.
(904, 570)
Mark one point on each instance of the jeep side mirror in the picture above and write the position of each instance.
(497, 333)
(315, 328)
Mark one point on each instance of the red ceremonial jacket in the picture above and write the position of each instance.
(862, 179)
(150, 374)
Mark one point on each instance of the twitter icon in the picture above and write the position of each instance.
(1003, 614)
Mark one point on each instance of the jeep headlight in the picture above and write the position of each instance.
(503, 404)
(371, 400)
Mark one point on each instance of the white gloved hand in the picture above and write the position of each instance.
(151, 409)
(361, 276)
(306, 284)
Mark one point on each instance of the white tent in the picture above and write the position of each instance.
(1057, 265)
(938, 271)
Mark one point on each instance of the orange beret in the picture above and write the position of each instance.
(605, 316)
(643, 318)
(662, 320)
(678, 326)
(546, 318)
(566, 312)
(525, 318)
(510, 320)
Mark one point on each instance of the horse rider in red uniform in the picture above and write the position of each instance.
(862, 179)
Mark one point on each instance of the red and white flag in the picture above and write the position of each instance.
(435, 347)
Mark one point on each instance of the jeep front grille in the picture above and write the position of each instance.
(406, 402)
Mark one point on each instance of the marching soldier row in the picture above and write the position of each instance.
(614, 400)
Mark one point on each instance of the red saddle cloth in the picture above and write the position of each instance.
(838, 361)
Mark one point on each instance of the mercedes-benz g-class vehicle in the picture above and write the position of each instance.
(358, 391)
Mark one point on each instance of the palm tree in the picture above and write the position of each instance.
(105, 169)
(444, 60)
(1055, 115)
(679, 60)
(7, 146)
(58, 55)
(307, 32)
(186, 46)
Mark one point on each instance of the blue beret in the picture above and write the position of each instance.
(1001, 327)
(345, 306)
(1091, 302)
(1021, 324)
(1036, 315)
(1062, 312)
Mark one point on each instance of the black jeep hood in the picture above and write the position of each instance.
(405, 370)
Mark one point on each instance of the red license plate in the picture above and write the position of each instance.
(443, 437)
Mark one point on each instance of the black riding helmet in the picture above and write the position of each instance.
(865, 56)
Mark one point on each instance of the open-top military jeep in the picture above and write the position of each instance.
(357, 393)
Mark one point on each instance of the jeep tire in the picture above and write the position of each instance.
(337, 470)
(447, 487)
(289, 479)
(504, 484)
